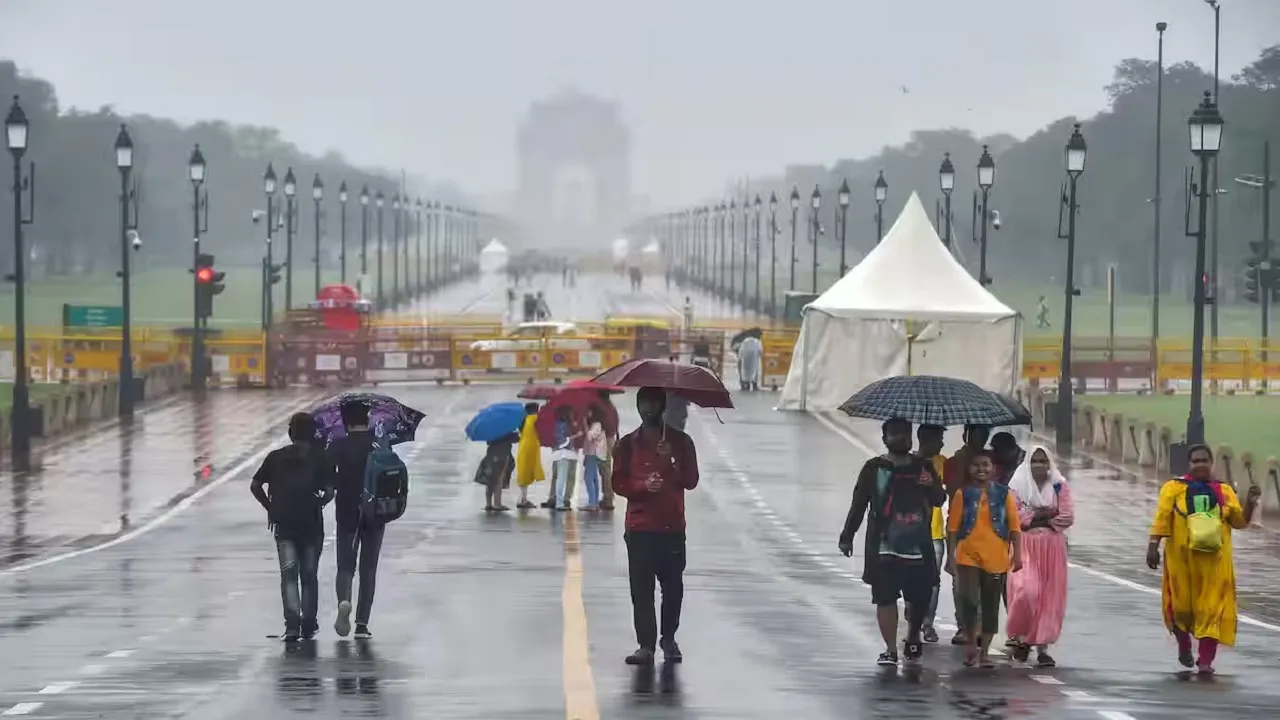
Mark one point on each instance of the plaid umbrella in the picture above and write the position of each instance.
(933, 400)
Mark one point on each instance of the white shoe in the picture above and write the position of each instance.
(342, 625)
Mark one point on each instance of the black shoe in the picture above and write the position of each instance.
(548, 504)
(291, 634)
(309, 629)
(362, 632)
(1186, 659)
(1045, 660)
(642, 656)
(930, 635)
(959, 638)
(912, 651)
(671, 651)
(888, 657)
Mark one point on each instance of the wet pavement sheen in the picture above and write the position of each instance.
(527, 615)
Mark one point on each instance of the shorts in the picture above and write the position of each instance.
(910, 581)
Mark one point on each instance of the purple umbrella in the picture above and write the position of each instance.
(389, 419)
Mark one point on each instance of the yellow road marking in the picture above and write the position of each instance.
(579, 682)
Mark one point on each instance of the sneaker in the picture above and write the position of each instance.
(929, 634)
(912, 651)
(362, 632)
(342, 625)
(671, 651)
(548, 504)
(1045, 660)
(888, 657)
(642, 656)
(291, 634)
(310, 633)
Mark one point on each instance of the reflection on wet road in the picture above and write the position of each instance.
(526, 615)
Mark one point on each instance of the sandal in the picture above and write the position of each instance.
(488, 508)
(1045, 660)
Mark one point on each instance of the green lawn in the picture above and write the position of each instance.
(1245, 422)
(37, 392)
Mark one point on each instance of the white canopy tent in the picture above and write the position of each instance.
(494, 257)
(908, 308)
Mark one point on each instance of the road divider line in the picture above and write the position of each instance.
(56, 688)
(581, 702)
(166, 516)
(1115, 580)
(23, 708)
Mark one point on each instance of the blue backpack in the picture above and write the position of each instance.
(386, 486)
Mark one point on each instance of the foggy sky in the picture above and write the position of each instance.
(711, 89)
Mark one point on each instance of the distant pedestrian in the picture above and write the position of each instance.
(542, 311)
(1038, 594)
(495, 471)
(299, 482)
(594, 449)
(688, 313)
(750, 352)
(896, 493)
(653, 466)
(528, 456)
(1195, 515)
(983, 534)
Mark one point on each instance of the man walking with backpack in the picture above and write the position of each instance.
(299, 482)
(373, 488)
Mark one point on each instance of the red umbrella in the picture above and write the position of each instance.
(538, 392)
(579, 399)
(691, 382)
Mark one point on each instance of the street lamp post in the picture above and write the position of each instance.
(439, 249)
(16, 130)
(843, 199)
(124, 162)
(1156, 199)
(364, 238)
(947, 180)
(290, 189)
(986, 179)
(342, 232)
(395, 249)
(378, 200)
(269, 189)
(815, 201)
(756, 303)
(1205, 126)
(1075, 157)
(419, 284)
(718, 250)
(317, 194)
(195, 170)
(733, 235)
(795, 211)
(773, 253)
(882, 194)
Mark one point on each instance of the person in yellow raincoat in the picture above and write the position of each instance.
(1198, 587)
(528, 457)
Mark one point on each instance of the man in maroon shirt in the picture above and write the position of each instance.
(653, 466)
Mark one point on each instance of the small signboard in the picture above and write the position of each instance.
(92, 316)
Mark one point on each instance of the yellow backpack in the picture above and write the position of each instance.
(1204, 522)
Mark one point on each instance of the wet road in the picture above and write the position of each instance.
(527, 615)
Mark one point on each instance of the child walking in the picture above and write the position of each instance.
(594, 451)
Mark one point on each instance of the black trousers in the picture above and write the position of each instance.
(365, 545)
(655, 558)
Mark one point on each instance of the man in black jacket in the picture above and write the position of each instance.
(359, 540)
(299, 482)
(896, 492)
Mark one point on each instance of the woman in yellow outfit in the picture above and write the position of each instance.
(528, 456)
(1196, 514)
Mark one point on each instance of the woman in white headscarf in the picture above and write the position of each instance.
(1038, 594)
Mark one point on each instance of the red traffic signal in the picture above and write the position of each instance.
(204, 275)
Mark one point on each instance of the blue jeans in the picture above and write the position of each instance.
(591, 478)
(299, 584)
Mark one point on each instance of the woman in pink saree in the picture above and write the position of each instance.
(1038, 594)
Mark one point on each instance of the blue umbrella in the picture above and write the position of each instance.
(933, 400)
(496, 422)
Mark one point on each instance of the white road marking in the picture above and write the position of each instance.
(92, 669)
(57, 688)
(1115, 715)
(1078, 695)
(1122, 582)
(23, 708)
(164, 517)
(120, 653)
(1046, 680)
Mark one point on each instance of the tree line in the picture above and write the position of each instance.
(77, 192)
(1116, 218)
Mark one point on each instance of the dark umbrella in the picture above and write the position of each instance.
(932, 400)
(696, 384)
(389, 419)
(754, 332)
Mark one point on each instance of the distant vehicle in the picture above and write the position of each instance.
(530, 336)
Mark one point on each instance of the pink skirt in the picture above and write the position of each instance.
(1038, 592)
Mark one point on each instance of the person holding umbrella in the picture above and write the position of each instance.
(653, 467)
(499, 426)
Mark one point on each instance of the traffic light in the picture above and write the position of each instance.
(1258, 273)
(274, 272)
(208, 284)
